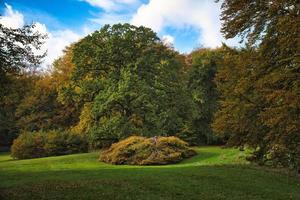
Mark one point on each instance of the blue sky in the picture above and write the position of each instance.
(186, 24)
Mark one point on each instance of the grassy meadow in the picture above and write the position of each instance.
(215, 173)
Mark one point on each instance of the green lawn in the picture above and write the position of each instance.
(215, 173)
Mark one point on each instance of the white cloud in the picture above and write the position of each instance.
(110, 5)
(168, 39)
(201, 14)
(55, 42)
(113, 11)
(110, 18)
(11, 18)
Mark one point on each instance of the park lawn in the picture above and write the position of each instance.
(215, 173)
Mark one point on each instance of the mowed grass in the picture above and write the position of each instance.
(215, 173)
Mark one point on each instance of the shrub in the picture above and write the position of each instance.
(28, 145)
(42, 144)
(62, 143)
(138, 150)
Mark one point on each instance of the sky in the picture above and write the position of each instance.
(185, 24)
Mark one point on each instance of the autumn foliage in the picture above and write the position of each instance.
(137, 150)
(260, 84)
(122, 80)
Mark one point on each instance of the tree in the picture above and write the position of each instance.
(17, 87)
(131, 82)
(240, 104)
(17, 49)
(270, 82)
(204, 64)
(46, 106)
(17, 56)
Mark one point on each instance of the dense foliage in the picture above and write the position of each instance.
(260, 84)
(204, 64)
(131, 84)
(137, 150)
(41, 109)
(17, 49)
(36, 101)
(17, 58)
(122, 81)
(52, 143)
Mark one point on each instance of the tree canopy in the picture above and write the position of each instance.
(132, 83)
(260, 84)
(17, 57)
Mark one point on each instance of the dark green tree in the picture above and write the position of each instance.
(132, 83)
(204, 64)
(16, 59)
(17, 49)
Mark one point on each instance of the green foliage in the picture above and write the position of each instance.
(137, 150)
(15, 89)
(62, 143)
(42, 144)
(200, 83)
(132, 82)
(16, 56)
(17, 50)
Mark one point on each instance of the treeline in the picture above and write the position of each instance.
(122, 81)
(119, 81)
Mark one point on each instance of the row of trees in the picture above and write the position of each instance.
(117, 82)
(122, 80)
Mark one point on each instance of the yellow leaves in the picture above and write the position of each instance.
(136, 120)
(77, 89)
(84, 120)
(137, 150)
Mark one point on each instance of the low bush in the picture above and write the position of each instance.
(28, 145)
(138, 150)
(52, 143)
(62, 143)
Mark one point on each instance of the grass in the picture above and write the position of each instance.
(215, 173)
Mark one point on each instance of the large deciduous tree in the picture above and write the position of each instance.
(203, 66)
(131, 83)
(262, 108)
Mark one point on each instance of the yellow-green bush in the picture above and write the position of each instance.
(52, 143)
(28, 145)
(62, 143)
(138, 150)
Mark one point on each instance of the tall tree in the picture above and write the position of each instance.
(271, 81)
(17, 56)
(131, 82)
(204, 64)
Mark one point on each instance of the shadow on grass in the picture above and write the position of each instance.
(193, 182)
(82, 177)
(201, 156)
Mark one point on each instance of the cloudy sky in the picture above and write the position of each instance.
(187, 24)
